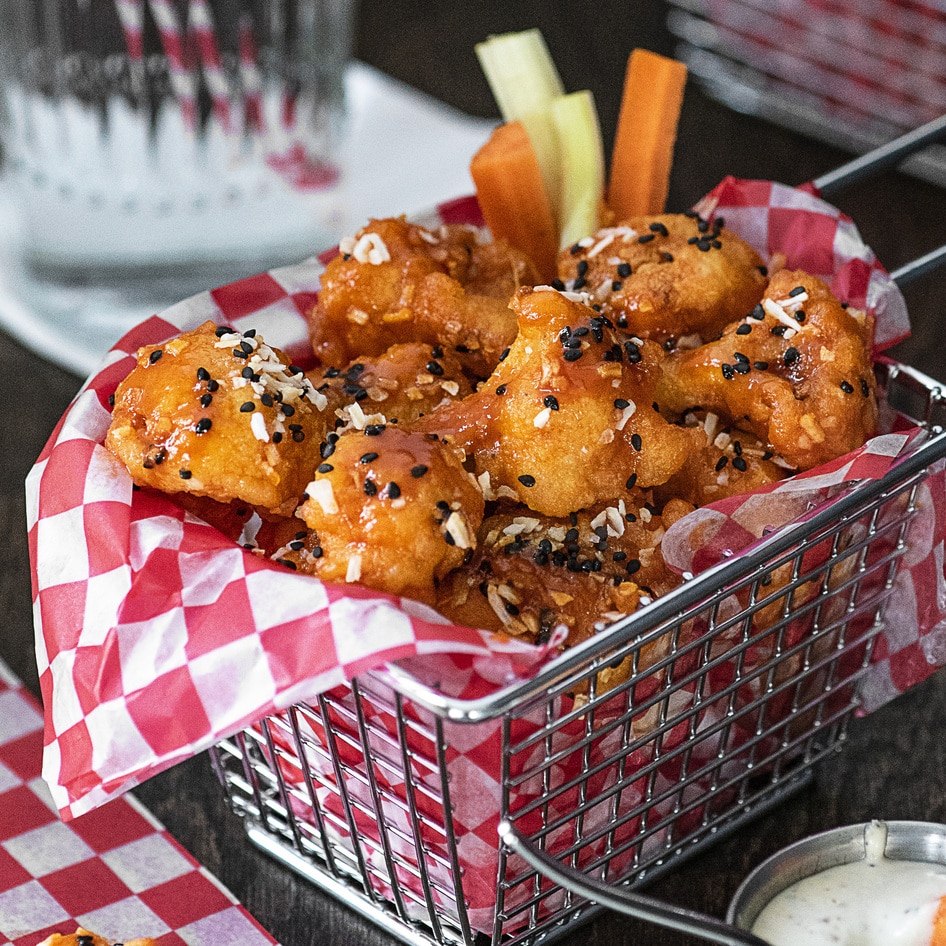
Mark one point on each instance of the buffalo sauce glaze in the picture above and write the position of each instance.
(876, 901)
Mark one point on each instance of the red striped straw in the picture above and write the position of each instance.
(174, 42)
(131, 14)
(202, 29)
(250, 74)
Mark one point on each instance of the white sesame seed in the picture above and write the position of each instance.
(542, 418)
(353, 572)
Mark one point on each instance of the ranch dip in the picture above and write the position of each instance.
(872, 902)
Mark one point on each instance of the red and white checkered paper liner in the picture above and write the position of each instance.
(116, 871)
(157, 637)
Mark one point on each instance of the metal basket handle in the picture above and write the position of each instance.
(624, 900)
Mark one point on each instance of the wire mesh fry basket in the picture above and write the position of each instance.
(388, 793)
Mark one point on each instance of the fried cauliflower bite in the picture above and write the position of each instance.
(731, 462)
(796, 372)
(82, 937)
(531, 573)
(391, 510)
(220, 414)
(667, 276)
(399, 282)
(567, 417)
(406, 382)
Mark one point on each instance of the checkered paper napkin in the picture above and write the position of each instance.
(115, 871)
(156, 636)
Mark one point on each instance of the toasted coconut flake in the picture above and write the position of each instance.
(777, 312)
(459, 531)
(324, 494)
(353, 572)
(258, 426)
(542, 418)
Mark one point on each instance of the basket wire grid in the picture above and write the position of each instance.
(813, 67)
(742, 679)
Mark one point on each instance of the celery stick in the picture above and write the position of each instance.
(582, 161)
(524, 81)
(520, 72)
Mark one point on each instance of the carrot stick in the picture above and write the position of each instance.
(646, 133)
(939, 925)
(512, 195)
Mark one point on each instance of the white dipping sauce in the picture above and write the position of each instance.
(873, 902)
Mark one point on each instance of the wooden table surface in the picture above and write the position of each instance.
(894, 763)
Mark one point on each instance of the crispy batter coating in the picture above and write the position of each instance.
(567, 417)
(219, 414)
(532, 572)
(731, 462)
(796, 372)
(392, 510)
(404, 383)
(399, 282)
(667, 276)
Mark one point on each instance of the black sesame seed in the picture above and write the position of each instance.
(744, 329)
(551, 402)
(779, 329)
(575, 249)
(111, 400)
(371, 488)
(297, 545)
(326, 450)
(266, 399)
(557, 284)
(865, 388)
(633, 566)
(203, 425)
(620, 403)
(501, 389)
(393, 490)
(800, 315)
(760, 365)
(240, 353)
(757, 313)
(247, 407)
(435, 368)
(184, 474)
(633, 352)
(155, 356)
(277, 437)
(791, 356)
(631, 481)
(374, 430)
(721, 463)
(702, 225)
(624, 270)
(288, 410)
(739, 356)
(324, 468)
(582, 267)
(527, 480)
(740, 464)
(764, 270)
(298, 435)
(203, 374)
(572, 354)
(418, 471)
(316, 551)
(658, 227)
(295, 369)
(737, 448)
(206, 400)
(504, 355)
(797, 291)
(728, 371)
(636, 442)
(212, 385)
(742, 367)
(847, 387)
